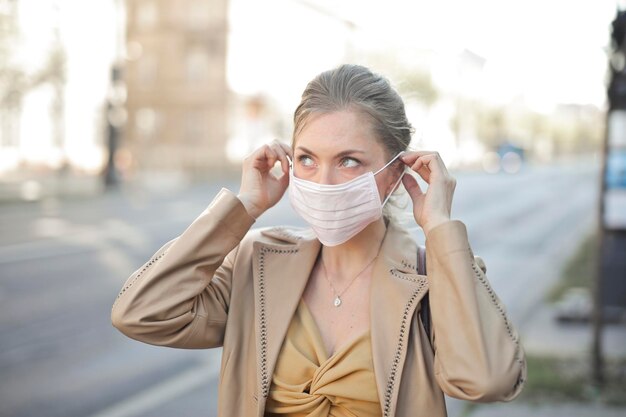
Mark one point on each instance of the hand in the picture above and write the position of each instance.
(434, 206)
(260, 189)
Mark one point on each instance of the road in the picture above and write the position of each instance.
(62, 264)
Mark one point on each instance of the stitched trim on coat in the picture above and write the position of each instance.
(481, 278)
(401, 340)
(265, 379)
(146, 266)
(404, 277)
(408, 265)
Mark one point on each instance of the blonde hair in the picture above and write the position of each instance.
(355, 87)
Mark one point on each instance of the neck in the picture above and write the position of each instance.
(344, 261)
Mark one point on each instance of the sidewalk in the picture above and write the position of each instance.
(35, 186)
(542, 335)
(548, 410)
(30, 186)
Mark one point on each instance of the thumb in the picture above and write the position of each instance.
(284, 180)
(412, 187)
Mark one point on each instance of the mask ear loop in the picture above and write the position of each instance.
(395, 186)
(390, 162)
(399, 179)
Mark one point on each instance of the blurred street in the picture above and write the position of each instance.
(62, 263)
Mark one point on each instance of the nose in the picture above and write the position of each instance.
(326, 175)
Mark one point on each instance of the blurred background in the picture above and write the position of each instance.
(121, 120)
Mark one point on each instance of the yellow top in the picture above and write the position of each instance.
(309, 383)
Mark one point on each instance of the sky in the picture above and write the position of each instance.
(549, 52)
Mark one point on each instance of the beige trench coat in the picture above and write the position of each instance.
(221, 284)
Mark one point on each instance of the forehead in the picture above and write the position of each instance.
(337, 131)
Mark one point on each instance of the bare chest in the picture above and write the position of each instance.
(339, 325)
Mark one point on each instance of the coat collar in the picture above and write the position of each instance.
(282, 264)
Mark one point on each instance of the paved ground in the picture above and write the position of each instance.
(548, 410)
(543, 335)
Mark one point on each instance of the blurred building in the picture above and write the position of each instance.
(32, 84)
(176, 82)
(10, 96)
(55, 58)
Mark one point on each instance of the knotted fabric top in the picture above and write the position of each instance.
(309, 383)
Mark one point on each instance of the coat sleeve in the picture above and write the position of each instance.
(478, 356)
(180, 297)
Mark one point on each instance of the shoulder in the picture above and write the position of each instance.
(278, 235)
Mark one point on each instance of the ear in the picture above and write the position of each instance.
(396, 179)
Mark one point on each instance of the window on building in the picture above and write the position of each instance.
(147, 71)
(195, 122)
(146, 14)
(197, 65)
(147, 121)
(199, 14)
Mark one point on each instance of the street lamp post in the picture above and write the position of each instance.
(115, 117)
(115, 121)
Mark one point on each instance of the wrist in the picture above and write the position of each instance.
(431, 224)
(252, 209)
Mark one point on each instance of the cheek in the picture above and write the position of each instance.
(302, 172)
(383, 184)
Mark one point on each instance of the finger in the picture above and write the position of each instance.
(438, 161)
(421, 169)
(284, 180)
(282, 155)
(268, 158)
(442, 167)
(286, 148)
(412, 187)
(289, 152)
(409, 157)
(416, 161)
(435, 165)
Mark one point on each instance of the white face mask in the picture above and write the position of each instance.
(338, 212)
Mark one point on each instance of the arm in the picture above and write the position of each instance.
(478, 356)
(180, 297)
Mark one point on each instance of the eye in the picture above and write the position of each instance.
(305, 160)
(350, 162)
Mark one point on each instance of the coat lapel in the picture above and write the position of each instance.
(396, 290)
(281, 271)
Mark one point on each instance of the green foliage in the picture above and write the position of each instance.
(418, 85)
(581, 269)
(552, 379)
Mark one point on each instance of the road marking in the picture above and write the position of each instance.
(161, 393)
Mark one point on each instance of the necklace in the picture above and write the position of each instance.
(337, 301)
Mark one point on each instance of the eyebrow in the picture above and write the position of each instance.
(339, 155)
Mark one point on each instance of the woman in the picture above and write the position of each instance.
(326, 321)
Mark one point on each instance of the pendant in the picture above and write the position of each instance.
(337, 301)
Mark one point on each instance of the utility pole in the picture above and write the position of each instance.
(610, 284)
(115, 121)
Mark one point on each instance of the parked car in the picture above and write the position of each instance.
(507, 157)
(575, 305)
